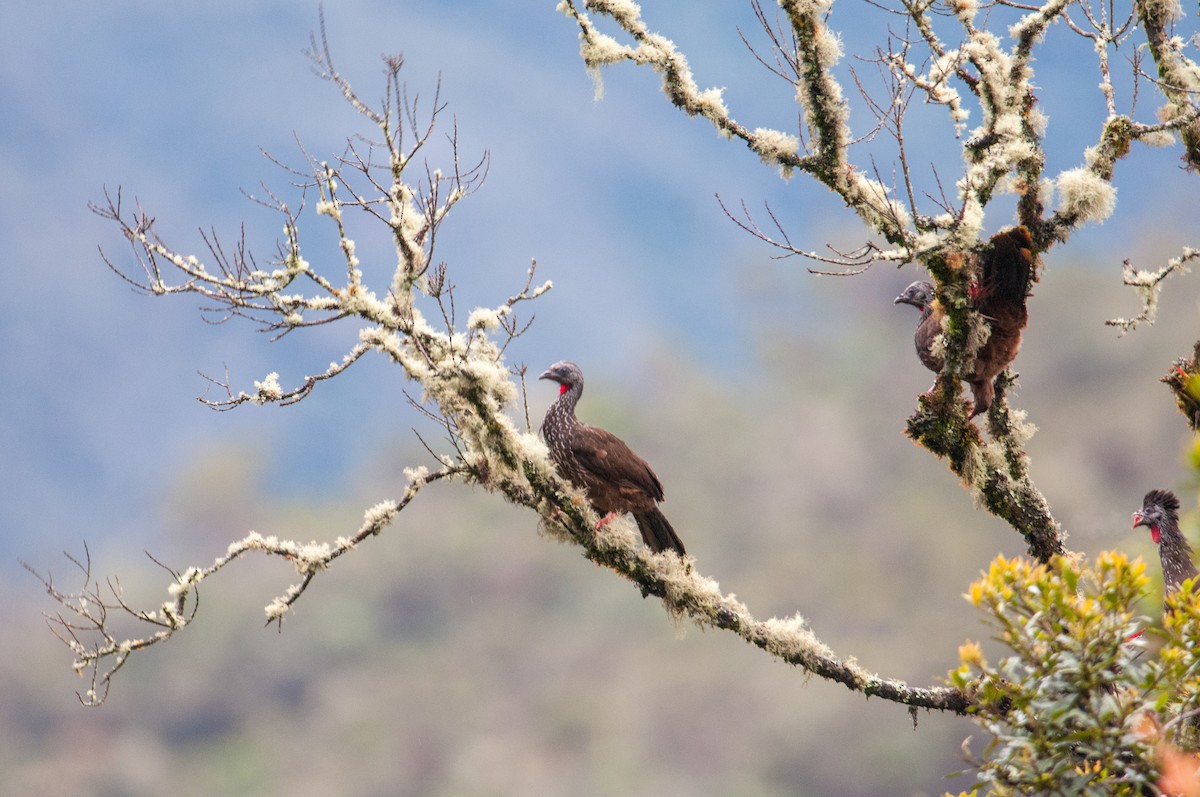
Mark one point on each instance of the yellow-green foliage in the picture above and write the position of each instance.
(1179, 664)
(1065, 706)
(1191, 386)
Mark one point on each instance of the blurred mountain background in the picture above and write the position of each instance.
(463, 654)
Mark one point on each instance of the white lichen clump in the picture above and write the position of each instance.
(597, 50)
(268, 389)
(965, 10)
(870, 198)
(184, 582)
(711, 103)
(276, 609)
(937, 88)
(1083, 194)
(625, 12)
(792, 639)
(776, 148)
(1022, 428)
(829, 49)
(486, 319)
(600, 49)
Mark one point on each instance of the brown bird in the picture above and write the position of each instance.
(598, 462)
(1160, 513)
(998, 292)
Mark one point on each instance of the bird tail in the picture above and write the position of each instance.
(657, 532)
(1007, 269)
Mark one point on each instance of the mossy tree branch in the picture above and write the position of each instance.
(1005, 153)
(1183, 379)
(466, 389)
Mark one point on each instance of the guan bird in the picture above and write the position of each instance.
(1160, 513)
(999, 288)
(598, 462)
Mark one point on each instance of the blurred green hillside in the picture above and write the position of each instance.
(462, 654)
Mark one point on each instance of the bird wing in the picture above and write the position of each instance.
(607, 458)
(1006, 269)
(928, 330)
(1007, 266)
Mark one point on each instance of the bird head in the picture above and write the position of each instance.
(919, 295)
(565, 373)
(1158, 507)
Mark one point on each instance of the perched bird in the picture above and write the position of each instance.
(1160, 513)
(998, 292)
(615, 479)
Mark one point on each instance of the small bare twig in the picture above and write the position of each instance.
(854, 262)
(1148, 285)
(85, 623)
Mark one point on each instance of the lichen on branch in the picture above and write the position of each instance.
(461, 380)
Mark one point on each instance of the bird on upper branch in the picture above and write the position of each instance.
(615, 479)
(999, 288)
(1160, 513)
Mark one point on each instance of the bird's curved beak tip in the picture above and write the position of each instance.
(545, 375)
(1138, 519)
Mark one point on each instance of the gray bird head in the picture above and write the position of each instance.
(1159, 507)
(566, 373)
(919, 295)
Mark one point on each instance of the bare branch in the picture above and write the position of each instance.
(1148, 285)
(854, 262)
(85, 625)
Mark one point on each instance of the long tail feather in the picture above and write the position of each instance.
(657, 532)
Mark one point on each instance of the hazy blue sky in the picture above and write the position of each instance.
(613, 198)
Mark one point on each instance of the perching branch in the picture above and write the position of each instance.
(465, 388)
(996, 473)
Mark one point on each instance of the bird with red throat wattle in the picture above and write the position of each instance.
(616, 480)
(1160, 514)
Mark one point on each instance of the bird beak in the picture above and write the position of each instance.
(899, 300)
(546, 375)
(1139, 519)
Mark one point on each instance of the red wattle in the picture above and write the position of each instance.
(562, 389)
(1155, 534)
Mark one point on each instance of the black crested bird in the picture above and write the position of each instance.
(1003, 271)
(598, 462)
(1160, 513)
